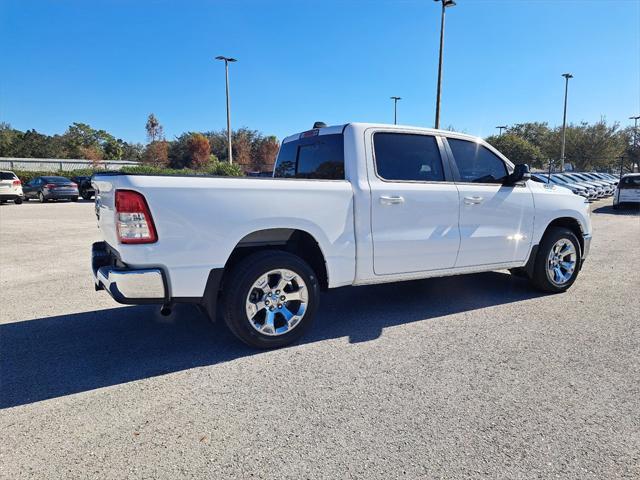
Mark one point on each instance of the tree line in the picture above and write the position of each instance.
(595, 146)
(252, 151)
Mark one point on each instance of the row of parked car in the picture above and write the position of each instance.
(590, 185)
(44, 188)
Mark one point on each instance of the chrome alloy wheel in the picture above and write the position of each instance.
(561, 262)
(277, 302)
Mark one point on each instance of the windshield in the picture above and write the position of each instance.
(56, 180)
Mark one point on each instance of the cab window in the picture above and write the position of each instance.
(407, 157)
(476, 163)
(318, 157)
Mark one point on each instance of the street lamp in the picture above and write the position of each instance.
(500, 128)
(227, 60)
(566, 76)
(445, 5)
(395, 109)
(635, 129)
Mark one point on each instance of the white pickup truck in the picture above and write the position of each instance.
(351, 204)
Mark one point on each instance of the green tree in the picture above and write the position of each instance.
(517, 149)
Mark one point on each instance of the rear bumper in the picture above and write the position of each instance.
(127, 285)
(60, 196)
(10, 196)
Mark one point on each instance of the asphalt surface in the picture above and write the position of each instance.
(462, 377)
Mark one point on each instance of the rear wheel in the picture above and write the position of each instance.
(270, 299)
(557, 261)
(86, 196)
(18, 201)
(74, 199)
(41, 198)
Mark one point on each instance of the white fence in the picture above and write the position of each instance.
(59, 164)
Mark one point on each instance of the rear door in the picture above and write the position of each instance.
(414, 204)
(496, 221)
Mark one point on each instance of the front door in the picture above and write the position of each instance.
(496, 221)
(414, 205)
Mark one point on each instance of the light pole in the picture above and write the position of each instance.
(635, 139)
(395, 109)
(226, 73)
(635, 129)
(566, 76)
(500, 128)
(445, 5)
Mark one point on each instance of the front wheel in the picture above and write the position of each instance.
(41, 198)
(86, 196)
(270, 299)
(557, 261)
(18, 200)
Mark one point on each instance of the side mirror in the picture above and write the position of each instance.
(520, 173)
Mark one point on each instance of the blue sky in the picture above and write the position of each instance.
(111, 63)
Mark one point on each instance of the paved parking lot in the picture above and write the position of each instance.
(462, 377)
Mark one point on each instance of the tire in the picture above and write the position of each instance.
(543, 279)
(240, 285)
(41, 198)
(26, 199)
(74, 199)
(18, 201)
(86, 196)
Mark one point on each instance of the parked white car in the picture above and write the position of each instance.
(627, 190)
(351, 204)
(10, 187)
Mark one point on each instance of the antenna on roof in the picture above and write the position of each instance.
(319, 125)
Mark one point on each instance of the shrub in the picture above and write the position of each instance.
(225, 169)
(215, 168)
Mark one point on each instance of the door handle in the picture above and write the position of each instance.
(391, 200)
(473, 200)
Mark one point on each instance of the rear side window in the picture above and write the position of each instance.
(318, 157)
(630, 182)
(476, 163)
(406, 156)
(7, 176)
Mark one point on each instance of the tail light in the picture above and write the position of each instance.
(17, 183)
(50, 185)
(134, 223)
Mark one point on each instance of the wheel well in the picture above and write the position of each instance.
(290, 240)
(572, 224)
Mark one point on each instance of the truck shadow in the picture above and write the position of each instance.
(56, 356)
(631, 210)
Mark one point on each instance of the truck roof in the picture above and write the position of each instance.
(333, 129)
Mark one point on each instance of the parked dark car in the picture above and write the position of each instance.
(50, 188)
(84, 187)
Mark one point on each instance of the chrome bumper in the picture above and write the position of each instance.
(124, 284)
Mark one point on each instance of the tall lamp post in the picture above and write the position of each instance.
(500, 128)
(228, 60)
(635, 129)
(635, 137)
(566, 76)
(395, 109)
(445, 5)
